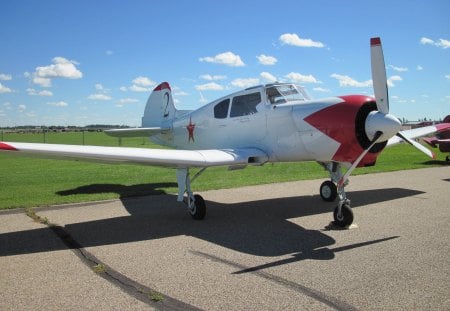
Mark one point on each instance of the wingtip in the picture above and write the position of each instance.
(8, 147)
(375, 41)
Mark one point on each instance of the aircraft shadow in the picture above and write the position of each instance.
(258, 227)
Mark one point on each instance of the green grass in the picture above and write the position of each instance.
(29, 182)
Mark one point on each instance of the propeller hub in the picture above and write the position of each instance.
(379, 122)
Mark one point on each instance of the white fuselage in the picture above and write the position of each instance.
(278, 129)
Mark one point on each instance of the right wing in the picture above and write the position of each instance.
(418, 132)
(156, 157)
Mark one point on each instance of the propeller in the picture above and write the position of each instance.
(380, 125)
(381, 120)
(379, 75)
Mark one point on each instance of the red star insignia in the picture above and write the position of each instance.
(190, 128)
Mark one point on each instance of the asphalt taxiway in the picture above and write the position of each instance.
(259, 248)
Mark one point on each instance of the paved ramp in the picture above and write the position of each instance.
(259, 248)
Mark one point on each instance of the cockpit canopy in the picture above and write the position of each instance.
(285, 93)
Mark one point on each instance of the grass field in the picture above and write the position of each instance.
(30, 182)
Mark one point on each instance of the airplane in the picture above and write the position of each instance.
(269, 123)
(442, 139)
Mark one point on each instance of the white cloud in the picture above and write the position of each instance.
(143, 81)
(419, 68)
(61, 68)
(346, 81)
(321, 89)
(44, 82)
(390, 81)
(109, 52)
(208, 77)
(226, 58)
(33, 92)
(203, 100)
(99, 97)
(268, 77)
(138, 88)
(5, 77)
(99, 87)
(447, 76)
(58, 104)
(21, 108)
(442, 43)
(180, 93)
(140, 84)
(399, 69)
(266, 60)
(7, 105)
(295, 40)
(123, 101)
(244, 83)
(4, 89)
(299, 78)
(212, 86)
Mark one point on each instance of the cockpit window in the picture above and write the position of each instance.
(284, 93)
(221, 109)
(245, 104)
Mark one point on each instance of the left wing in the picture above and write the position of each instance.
(156, 157)
(136, 132)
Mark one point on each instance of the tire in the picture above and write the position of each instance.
(199, 211)
(328, 191)
(347, 216)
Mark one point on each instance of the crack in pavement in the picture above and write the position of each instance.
(133, 288)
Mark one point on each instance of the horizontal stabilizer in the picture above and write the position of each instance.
(136, 132)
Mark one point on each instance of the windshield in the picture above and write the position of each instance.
(284, 93)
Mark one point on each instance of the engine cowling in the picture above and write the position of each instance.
(345, 122)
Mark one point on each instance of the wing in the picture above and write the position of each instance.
(136, 132)
(418, 132)
(156, 157)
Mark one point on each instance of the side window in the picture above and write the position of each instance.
(245, 104)
(221, 109)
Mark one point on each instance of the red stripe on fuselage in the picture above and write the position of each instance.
(4, 146)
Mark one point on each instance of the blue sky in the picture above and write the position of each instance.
(89, 62)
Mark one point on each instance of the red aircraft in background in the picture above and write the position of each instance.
(441, 140)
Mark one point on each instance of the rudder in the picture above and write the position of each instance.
(160, 107)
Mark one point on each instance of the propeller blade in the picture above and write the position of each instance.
(379, 75)
(417, 145)
(344, 178)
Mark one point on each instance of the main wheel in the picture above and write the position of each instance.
(198, 212)
(328, 191)
(346, 218)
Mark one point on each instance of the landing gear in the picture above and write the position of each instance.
(328, 191)
(194, 203)
(197, 208)
(331, 189)
(345, 217)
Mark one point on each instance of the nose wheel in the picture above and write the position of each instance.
(345, 217)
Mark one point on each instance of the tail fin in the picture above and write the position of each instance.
(160, 107)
